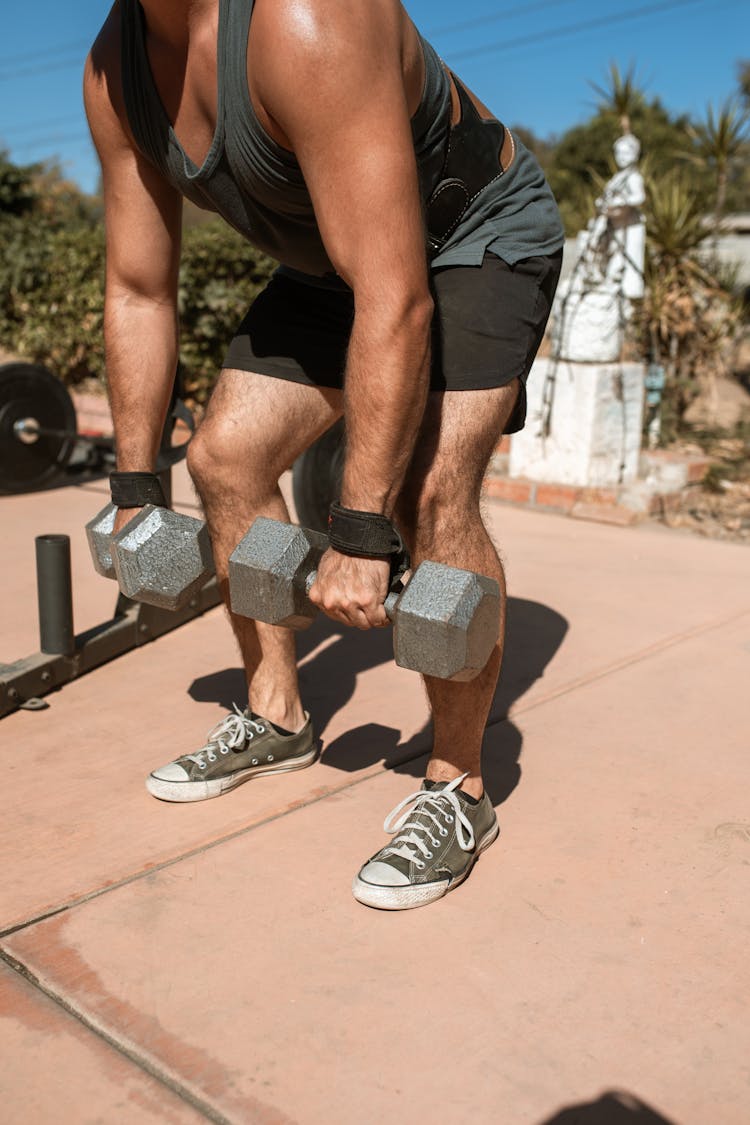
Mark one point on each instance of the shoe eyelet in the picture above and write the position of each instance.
(428, 855)
(202, 765)
(224, 750)
(419, 865)
(212, 757)
(269, 758)
(261, 730)
(443, 831)
(449, 818)
(255, 761)
(435, 843)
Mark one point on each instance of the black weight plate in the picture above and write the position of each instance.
(30, 391)
(316, 478)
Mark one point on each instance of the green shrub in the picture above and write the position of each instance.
(220, 278)
(51, 295)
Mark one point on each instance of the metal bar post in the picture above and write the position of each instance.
(55, 595)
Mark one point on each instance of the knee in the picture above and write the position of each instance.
(202, 462)
(222, 461)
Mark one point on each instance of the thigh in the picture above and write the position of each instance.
(256, 420)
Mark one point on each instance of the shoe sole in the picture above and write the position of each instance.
(183, 791)
(409, 897)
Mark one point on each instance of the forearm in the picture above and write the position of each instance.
(387, 380)
(141, 350)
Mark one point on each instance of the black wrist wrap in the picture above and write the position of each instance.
(367, 535)
(135, 490)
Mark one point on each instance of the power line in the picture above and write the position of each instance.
(33, 126)
(25, 71)
(32, 56)
(572, 28)
(59, 139)
(481, 21)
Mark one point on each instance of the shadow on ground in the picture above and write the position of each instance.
(612, 1108)
(332, 656)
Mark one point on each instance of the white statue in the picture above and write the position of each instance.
(612, 248)
(593, 305)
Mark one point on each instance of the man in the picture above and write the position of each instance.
(420, 249)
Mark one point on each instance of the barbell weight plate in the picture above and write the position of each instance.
(30, 392)
(316, 478)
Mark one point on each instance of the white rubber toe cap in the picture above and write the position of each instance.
(173, 772)
(383, 875)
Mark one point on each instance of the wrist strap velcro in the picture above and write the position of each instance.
(368, 534)
(135, 490)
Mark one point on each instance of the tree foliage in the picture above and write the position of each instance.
(18, 193)
(719, 141)
(688, 321)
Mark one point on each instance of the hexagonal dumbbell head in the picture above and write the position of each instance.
(162, 557)
(446, 622)
(268, 572)
(98, 533)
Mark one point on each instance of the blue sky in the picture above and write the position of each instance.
(531, 62)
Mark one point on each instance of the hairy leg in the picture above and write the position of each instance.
(254, 429)
(439, 514)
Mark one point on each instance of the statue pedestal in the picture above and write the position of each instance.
(595, 431)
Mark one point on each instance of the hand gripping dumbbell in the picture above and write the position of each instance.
(160, 557)
(446, 621)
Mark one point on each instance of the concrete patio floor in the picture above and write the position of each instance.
(175, 963)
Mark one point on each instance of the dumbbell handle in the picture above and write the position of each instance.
(389, 605)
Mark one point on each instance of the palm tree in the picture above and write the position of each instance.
(674, 218)
(687, 320)
(717, 142)
(620, 96)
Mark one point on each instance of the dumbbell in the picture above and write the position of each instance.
(446, 620)
(160, 557)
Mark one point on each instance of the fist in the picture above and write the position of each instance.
(352, 590)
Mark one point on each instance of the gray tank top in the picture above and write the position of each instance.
(258, 186)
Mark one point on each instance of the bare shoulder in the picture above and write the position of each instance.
(316, 38)
(102, 81)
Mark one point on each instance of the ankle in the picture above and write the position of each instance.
(472, 784)
(289, 717)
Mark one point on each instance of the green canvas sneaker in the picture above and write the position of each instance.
(439, 834)
(241, 746)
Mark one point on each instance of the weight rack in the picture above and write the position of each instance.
(62, 655)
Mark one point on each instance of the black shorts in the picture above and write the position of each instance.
(489, 322)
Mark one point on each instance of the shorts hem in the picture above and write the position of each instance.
(255, 366)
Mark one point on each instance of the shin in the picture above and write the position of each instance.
(254, 429)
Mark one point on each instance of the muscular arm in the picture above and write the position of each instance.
(333, 83)
(142, 216)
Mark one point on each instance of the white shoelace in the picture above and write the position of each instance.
(436, 805)
(233, 731)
